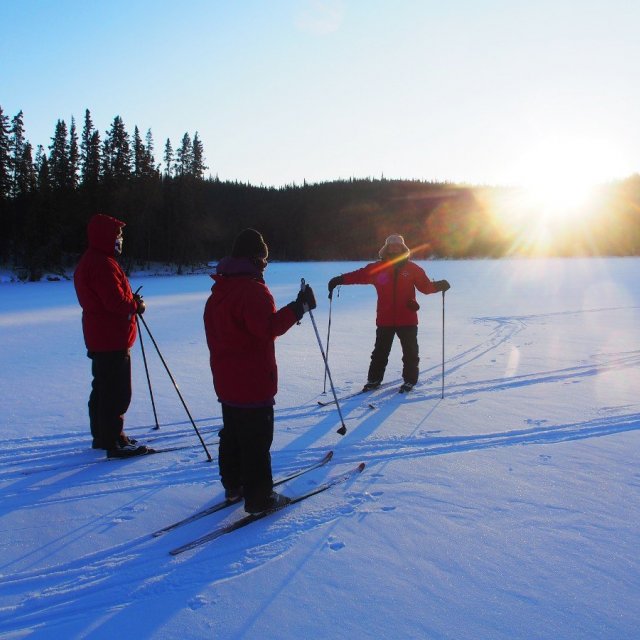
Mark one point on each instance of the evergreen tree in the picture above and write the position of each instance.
(74, 155)
(26, 179)
(138, 154)
(5, 158)
(59, 157)
(151, 161)
(184, 156)
(106, 169)
(16, 149)
(121, 150)
(92, 174)
(42, 170)
(197, 165)
(118, 149)
(168, 158)
(89, 152)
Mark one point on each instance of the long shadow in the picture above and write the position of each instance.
(567, 374)
(61, 451)
(552, 434)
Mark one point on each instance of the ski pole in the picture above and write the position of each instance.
(184, 404)
(146, 370)
(343, 429)
(324, 388)
(442, 396)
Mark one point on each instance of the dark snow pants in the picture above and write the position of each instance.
(110, 395)
(380, 355)
(244, 456)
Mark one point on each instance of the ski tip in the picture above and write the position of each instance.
(342, 430)
(329, 455)
(361, 466)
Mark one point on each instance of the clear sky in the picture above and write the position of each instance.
(281, 91)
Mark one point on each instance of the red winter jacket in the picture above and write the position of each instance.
(396, 285)
(103, 290)
(241, 324)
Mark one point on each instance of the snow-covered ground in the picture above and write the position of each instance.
(509, 509)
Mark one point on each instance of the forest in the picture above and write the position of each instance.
(178, 212)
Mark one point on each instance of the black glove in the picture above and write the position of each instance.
(140, 302)
(333, 283)
(307, 298)
(442, 285)
(304, 302)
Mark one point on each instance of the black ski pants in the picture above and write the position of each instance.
(244, 456)
(110, 395)
(380, 355)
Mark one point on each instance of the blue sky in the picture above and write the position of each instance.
(281, 91)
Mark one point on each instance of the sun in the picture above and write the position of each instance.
(558, 177)
(558, 195)
(554, 196)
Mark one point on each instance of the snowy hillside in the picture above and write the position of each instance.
(507, 510)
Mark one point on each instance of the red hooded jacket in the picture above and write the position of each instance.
(241, 324)
(396, 284)
(103, 290)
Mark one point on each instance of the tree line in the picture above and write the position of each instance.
(176, 214)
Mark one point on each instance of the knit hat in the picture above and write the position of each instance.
(397, 241)
(249, 244)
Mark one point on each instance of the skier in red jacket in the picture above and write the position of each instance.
(396, 279)
(241, 324)
(109, 327)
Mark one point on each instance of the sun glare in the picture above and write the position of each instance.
(558, 195)
(558, 177)
(555, 187)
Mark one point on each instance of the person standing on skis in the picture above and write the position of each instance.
(109, 311)
(396, 279)
(241, 324)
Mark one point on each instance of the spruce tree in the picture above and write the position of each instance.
(197, 165)
(16, 149)
(138, 154)
(59, 157)
(26, 179)
(184, 156)
(119, 150)
(43, 176)
(168, 158)
(74, 155)
(151, 161)
(5, 158)
(89, 152)
(106, 169)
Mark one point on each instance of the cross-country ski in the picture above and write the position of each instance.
(249, 519)
(227, 503)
